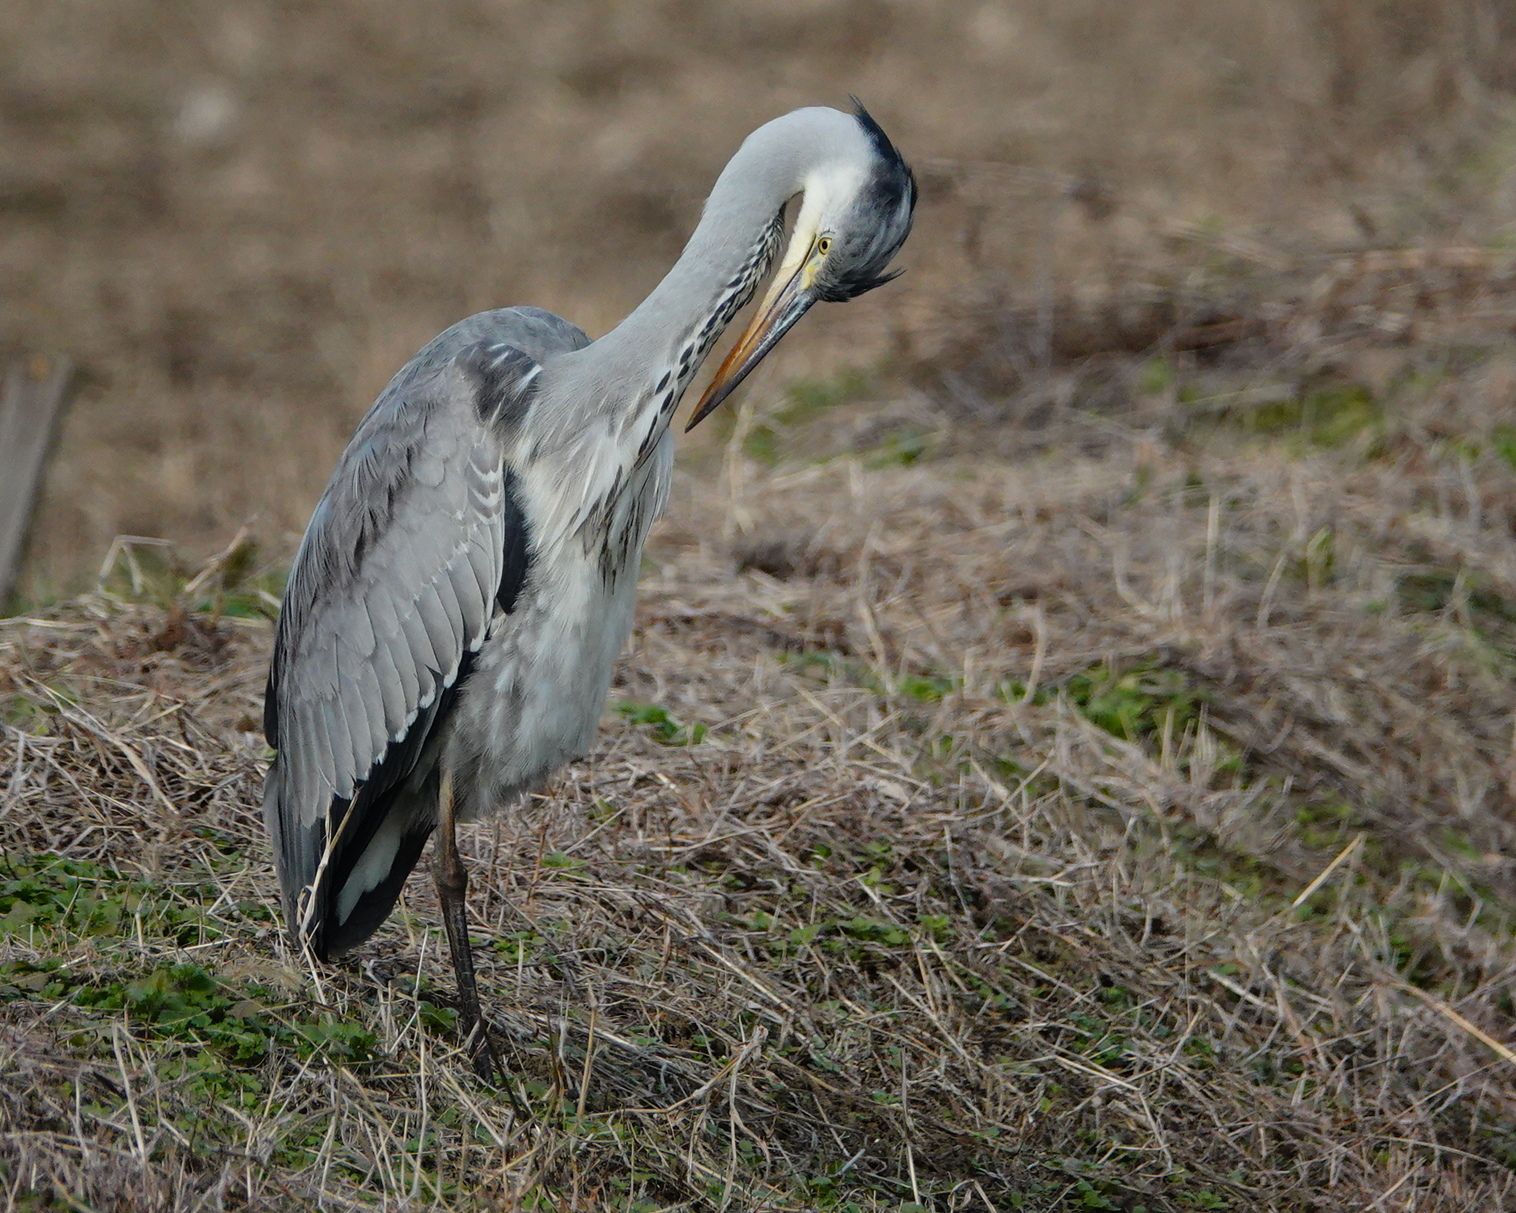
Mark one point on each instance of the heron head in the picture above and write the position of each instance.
(855, 212)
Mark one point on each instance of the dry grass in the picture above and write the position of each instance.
(1097, 798)
(1065, 765)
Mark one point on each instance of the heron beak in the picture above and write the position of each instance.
(784, 305)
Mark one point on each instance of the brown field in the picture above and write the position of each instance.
(1066, 756)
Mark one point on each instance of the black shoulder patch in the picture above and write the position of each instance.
(504, 381)
(271, 704)
(517, 547)
(271, 687)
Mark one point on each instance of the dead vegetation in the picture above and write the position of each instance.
(1065, 764)
(1121, 823)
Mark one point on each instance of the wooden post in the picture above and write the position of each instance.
(30, 407)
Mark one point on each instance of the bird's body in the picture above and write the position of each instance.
(467, 580)
(518, 676)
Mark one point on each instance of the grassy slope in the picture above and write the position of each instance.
(1101, 805)
(1019, 731)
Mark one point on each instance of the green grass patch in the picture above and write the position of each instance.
(761, 444)
(805, 400)
(1327, 417)
(239, 588)
(1156, 376)
(82, 899)
(810, 397)
(1316, 560)
(1483, 618)
(829, 666)
(661, 723)
(1503, 442)
(1434, 590)
(1136, 703)
(1323, 418)
(899, 448)
(51, 908)
(1326, 825)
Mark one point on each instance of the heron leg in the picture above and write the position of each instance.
(452, 890)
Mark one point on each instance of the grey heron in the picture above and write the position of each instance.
(448, 631)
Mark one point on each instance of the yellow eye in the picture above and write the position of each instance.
(824, 245)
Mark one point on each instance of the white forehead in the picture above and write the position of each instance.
(829, 187)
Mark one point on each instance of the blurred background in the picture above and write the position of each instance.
(238, 221)
(1078, 679)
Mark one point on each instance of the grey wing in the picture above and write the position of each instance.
(416, 545)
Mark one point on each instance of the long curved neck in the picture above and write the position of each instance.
(739, 215)
(673, 329)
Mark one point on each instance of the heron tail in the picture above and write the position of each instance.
(335, 895)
